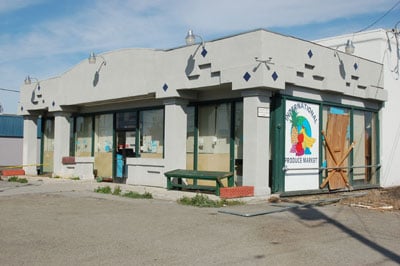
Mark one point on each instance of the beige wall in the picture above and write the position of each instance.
(10, 151)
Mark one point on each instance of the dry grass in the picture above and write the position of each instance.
(378, 199)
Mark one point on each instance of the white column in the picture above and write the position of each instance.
(61, 140)
(256, 150)
(175, 134)
(30, 145)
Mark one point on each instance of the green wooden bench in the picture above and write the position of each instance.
(216, 176)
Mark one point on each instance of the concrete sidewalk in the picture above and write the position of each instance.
(38, 184)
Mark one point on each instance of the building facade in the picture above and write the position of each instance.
(382, 46)
(261, 105)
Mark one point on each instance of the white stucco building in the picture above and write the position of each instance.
(382, 46)
(253, 104)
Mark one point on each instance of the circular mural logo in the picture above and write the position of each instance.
(301, 135)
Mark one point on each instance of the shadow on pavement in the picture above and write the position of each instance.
(312, 214)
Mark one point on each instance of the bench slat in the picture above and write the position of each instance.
(197, 174)
(216, 176)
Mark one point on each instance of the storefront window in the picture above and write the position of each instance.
(212, 142)
(83, 141)
(103, 142)
(365, 158)
(214, 137)
(361, 161)
(239, 143)
(190, 113)
(48, 145)
(126, 120)
(72, 137)
(151, 133)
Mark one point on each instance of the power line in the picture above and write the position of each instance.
(379, 19)
(1, 89)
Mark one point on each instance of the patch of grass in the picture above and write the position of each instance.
(204, 201)
(75, 178)
(118, 192)
(17, 179)
(12, 179)
(137, 195)
(104, 190)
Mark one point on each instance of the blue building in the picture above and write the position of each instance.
(11, 139)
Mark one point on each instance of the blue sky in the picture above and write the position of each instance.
(45, 38)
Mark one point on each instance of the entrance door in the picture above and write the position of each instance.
(126, 143)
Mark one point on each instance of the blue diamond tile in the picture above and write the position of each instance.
(355, 66)
(165, 87)
(310, 54)
(204, 52)
(274, 76)
(247, 76)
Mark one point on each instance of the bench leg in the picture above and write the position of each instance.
(217, 187)
(169, 184)
(231, 181)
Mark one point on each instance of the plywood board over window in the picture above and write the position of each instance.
(336, 138)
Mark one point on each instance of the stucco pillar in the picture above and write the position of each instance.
(256, 150)
(175, 134)
(61, 140)
(30, 145)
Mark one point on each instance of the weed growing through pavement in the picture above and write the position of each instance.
(17, 179)
(117, 191)
(202, 201)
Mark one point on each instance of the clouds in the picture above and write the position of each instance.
(52, 36)
(105, 25)
(11, 5)
(223, 15)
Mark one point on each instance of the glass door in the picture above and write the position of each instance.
(126, 143)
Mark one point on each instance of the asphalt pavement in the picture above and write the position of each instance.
(64, 222)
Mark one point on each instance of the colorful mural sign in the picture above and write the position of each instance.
(301, 145)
